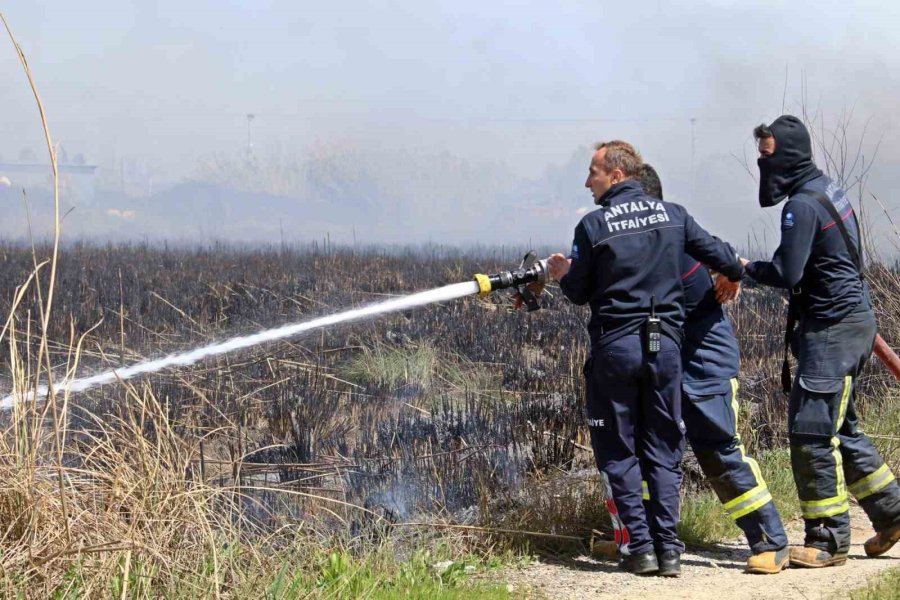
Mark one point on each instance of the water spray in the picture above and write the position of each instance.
(530, 271)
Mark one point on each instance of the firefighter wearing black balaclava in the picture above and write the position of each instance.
(831, 331)
(711, 361)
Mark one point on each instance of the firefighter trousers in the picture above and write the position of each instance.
(712, 421)
(634, 410)
(830, 456)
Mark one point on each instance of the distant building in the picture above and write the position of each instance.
(76, 181)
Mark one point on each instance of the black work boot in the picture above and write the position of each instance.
(640, 564)
(669, 563)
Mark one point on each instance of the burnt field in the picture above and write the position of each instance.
(462, 412)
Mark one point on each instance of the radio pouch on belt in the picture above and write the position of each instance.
(793, 308)
(653, 330)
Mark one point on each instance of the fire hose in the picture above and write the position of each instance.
(887, 356)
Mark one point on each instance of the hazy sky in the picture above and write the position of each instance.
(521, 83)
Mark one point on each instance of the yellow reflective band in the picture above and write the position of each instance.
(863, 483)
(876, 487)
(745, 496)
(825, 502)
(845, 398)
(484, 284)
(837, 504)
(735, 408)
(645, 489)
(758, 496)
(752, 507)
(734, 403)
(826, 512)
(839, 483)
(872, 483)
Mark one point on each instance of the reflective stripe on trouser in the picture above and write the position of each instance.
(711, 422)
(634, 409)
(828, 451)
(871, 484)
(838, 503)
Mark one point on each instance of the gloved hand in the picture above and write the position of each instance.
(726, 290)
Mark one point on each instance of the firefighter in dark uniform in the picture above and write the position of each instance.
(819, 260)
(711, 361)
(625, 262)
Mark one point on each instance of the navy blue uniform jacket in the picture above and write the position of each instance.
(628, 251)
(813, 254)
(709, 353)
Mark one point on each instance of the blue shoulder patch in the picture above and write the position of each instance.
(575, 251)
(788, 221)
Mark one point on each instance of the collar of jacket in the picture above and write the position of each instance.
(619, 189)
(819, 183)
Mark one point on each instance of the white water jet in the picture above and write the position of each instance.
(448, 292)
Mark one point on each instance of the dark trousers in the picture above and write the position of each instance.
(634, 409)
(711, 422)
(829, 454)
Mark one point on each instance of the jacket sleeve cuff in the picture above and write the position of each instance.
(763, 272)
(752, 270)
(741, 271)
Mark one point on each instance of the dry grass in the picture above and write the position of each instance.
(196, 484)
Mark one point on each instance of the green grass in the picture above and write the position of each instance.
(378, 575)
(424, 366)
(776, 468)
(393, 367)
(703, 521)
(884, 587)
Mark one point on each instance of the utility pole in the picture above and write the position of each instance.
(693, 149)
(250, 118)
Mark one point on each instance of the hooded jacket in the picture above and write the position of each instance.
(812, 258)
(790, 166)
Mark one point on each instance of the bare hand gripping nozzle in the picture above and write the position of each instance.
(531, 270)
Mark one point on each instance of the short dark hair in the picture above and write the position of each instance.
(762, 132)
(621, 155)
(649, 180)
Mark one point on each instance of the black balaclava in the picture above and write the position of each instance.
(790, 166)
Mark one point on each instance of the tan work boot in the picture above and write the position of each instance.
(768, 563)
(882, 541)
(814, 558)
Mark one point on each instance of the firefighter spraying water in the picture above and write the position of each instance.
(530, 271)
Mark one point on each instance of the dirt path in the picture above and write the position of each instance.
(714, 574)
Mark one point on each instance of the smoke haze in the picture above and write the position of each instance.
(426, 121)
